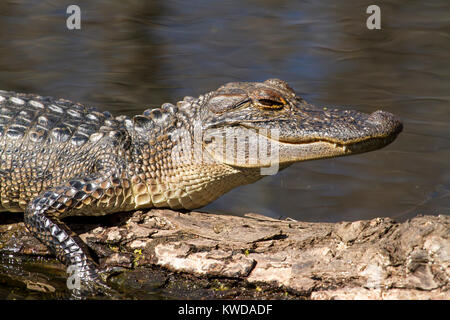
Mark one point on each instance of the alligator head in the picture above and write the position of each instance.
(239, 119)
(204, 147)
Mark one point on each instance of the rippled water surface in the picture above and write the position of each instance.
(129, 55)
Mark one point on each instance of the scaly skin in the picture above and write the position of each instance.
(59, 158)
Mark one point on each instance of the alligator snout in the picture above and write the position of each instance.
(345, 127)
(385, 123)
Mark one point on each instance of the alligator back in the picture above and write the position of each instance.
(44, 142)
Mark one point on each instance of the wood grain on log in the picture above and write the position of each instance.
(374, 259)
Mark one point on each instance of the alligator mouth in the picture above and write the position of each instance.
(353, 146)
(377, 131)
(279, 151)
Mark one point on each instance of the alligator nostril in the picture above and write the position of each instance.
(379, 117)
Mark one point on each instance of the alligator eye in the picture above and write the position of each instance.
(272, 104)
(266, 98)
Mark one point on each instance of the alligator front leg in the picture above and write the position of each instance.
(44, 223)
(93, 195)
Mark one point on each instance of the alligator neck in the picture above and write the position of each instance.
(168, 166)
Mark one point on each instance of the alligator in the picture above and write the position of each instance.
(59, 158)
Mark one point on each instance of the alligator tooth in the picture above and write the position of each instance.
(335, 145)
(344, 148)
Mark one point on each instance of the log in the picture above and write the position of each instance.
(203, 255)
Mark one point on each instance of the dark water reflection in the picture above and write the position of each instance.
(132, 54)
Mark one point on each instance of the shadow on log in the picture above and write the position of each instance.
(202, 255)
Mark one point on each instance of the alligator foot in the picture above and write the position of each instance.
(92, 285)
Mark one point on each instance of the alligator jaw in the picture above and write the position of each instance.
(283, 147)
(380, 130)
(286, 153)
(292, 152)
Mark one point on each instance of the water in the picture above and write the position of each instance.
(135, 54)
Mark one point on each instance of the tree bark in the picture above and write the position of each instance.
(373, 259)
